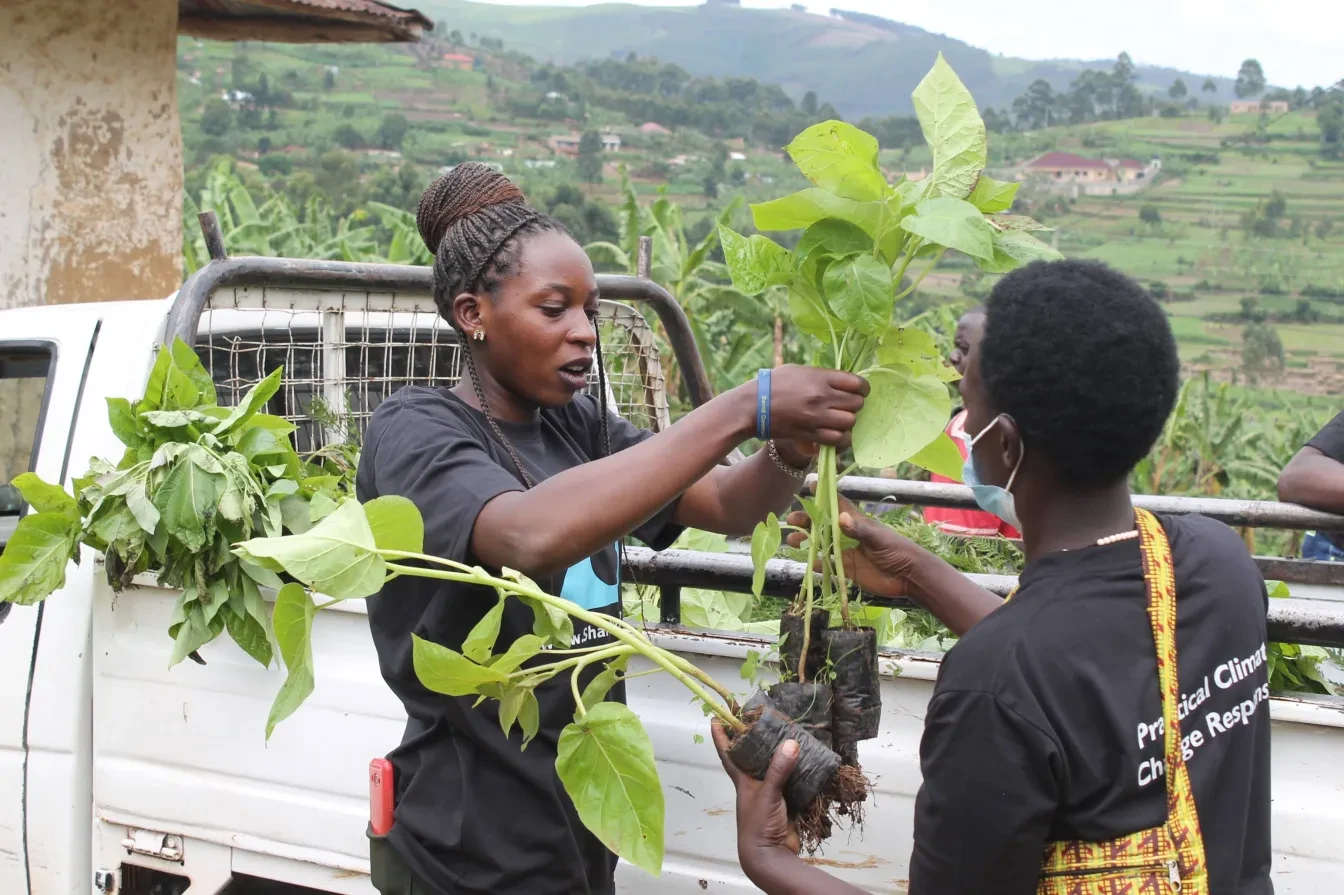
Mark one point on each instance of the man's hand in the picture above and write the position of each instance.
(883, 561)
(763, 824)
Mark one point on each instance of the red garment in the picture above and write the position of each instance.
(971, 523)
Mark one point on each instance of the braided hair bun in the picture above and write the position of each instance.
(466, 190)
(472, 219)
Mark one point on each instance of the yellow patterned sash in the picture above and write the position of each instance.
(1165, 859)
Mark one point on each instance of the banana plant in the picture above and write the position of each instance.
(276, 228)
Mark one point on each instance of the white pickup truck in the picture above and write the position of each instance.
(118, 775)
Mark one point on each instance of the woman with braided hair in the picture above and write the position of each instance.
(516, 467)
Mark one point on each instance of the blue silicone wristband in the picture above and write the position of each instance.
(763, 404)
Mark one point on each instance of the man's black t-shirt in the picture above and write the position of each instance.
(1330, 441)
(1045, 723)
(475, 813)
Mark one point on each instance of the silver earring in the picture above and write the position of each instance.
(479, 335)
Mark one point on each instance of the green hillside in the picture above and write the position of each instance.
(864, 65)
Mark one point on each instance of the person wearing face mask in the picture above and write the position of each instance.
(965, 523)
(1107, 728)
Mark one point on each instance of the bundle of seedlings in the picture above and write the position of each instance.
(195, 478)
(861, 237)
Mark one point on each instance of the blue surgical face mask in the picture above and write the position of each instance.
(991, 498)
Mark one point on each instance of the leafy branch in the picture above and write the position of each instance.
(860, 237)
(195, 478)
(605, 757)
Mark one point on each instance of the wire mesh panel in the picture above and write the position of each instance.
(344, 352)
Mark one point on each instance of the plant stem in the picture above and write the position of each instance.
(574, 687)
(673, 665)
(807, 603)
(582, 663)
(833, 497)
(919, 279)
(580, 659)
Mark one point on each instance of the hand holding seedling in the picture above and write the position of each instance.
(882, 562)
(888, 564)
(812, 405)
(762, 819)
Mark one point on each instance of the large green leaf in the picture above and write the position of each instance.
(755, 263)
(992, 195)
(253, 605)
(1015, 248)
(765, 541)
(1011, 222)
(605, 761)
(42, 496)
(188, 497)
(860, 290)
(188, 361)
(900, 416)
(809, 311)
(177, 419)
(832, 236)
(841, 159)
(114, 524)
(953, 129)
(168, 388)
(396, 524)
(293, 623)
(806, 207)
(449, 672)
(522, 649)
(336, 557)
(137, 500)
(191, 628)
(954, 224)
(914, 350)
(33, 563)
(598, 688)
(941, 456)
(123, 421)
(480, 641)
(252, 402)
(248, 633)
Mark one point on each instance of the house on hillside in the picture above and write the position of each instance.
(1067, 172)
(1127, 170)
(93, 144)
(653, 129)
(459, 61)
(1255, 106)
(1071, 167)
(568, 144)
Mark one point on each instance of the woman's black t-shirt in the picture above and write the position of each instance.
(475, 813)
(1045, 721)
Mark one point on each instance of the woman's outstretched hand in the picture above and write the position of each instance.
(811, 405)
(762, 820)
(883, 561)
(889, 565)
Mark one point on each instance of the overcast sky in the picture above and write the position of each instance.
(1297, 41)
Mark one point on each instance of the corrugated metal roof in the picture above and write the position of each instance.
(1053, 160)
(388, 22)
